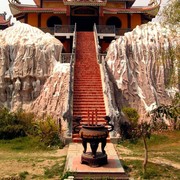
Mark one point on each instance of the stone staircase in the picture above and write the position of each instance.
(88, 95)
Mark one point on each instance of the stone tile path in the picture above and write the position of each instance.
(112, 170)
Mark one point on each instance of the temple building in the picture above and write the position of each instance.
(120, 14)
(4, 23)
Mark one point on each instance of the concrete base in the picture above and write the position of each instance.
(113, 169)
(99, 160)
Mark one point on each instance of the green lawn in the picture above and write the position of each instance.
(23, 157)
(164, 156)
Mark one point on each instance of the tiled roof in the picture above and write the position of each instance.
(3, 20)
(35, 9)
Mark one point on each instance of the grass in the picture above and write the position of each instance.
(21, 144)
(162, 146)
(55, 170)
(23, 157)
(154, 171)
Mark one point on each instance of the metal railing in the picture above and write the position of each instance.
(108, 87)
(74, 40)
(66, 57)
(96, 42)
(64, 28)
(48, 30)
(104, 29)
(70, 58)
(100, 56)
(120, 31)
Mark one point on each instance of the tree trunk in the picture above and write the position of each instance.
(145, 154)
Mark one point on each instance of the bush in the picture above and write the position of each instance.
(15, 124)
(131, 114)
(127, 129)
(12, 131)
(21, 123)
(48, 132)
(26, 119)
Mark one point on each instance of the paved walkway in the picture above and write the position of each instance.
(113, 169)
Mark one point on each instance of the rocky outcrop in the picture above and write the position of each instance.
(140, 65)
(30, 75)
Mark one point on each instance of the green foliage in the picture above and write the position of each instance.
(168, 112)
(67, 174)
(21, 144)
(163, 145)
(23, 175)
(127, 128)
(48, 132)
(55, 170)
(154, 171)
(131, 114)
(171, 12)
(10, 126)
(21, 123)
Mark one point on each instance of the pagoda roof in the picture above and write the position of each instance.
(3, 20)
(37, 2)
(17, 8)
(152, 10)
(85, 2)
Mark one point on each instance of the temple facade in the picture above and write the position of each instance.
(47, 14)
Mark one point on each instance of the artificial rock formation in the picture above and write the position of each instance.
(31, 76)
(140, 66)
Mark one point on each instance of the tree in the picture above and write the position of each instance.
(133, 130)
(171, 13)
(170, 113)
(171, 20)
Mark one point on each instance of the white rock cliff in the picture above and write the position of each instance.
(140, 67)
(31, 76)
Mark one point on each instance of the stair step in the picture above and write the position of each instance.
(88, 86)
(85, 114)
(86, 97)
(90, 108)
(88, 93)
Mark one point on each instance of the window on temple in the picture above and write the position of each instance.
(54, 20)
(114, 21)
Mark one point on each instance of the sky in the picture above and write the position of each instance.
(4, 5)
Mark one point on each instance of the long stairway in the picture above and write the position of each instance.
(88, 94)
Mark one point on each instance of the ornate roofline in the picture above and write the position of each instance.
(3, 20)
(17, 8)
(85, 2)
(37, 2)
(151, 10)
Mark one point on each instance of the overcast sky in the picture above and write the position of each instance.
(4, 4)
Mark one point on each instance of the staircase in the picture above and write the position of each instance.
(88, 98)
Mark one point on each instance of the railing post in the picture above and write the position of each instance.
(98, 48)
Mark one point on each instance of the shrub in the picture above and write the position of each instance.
(127, 129)
(21, 123)
(131, 114)
(48, 132)
(26, 119)
(15, 124)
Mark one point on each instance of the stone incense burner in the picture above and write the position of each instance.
(94, 134)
